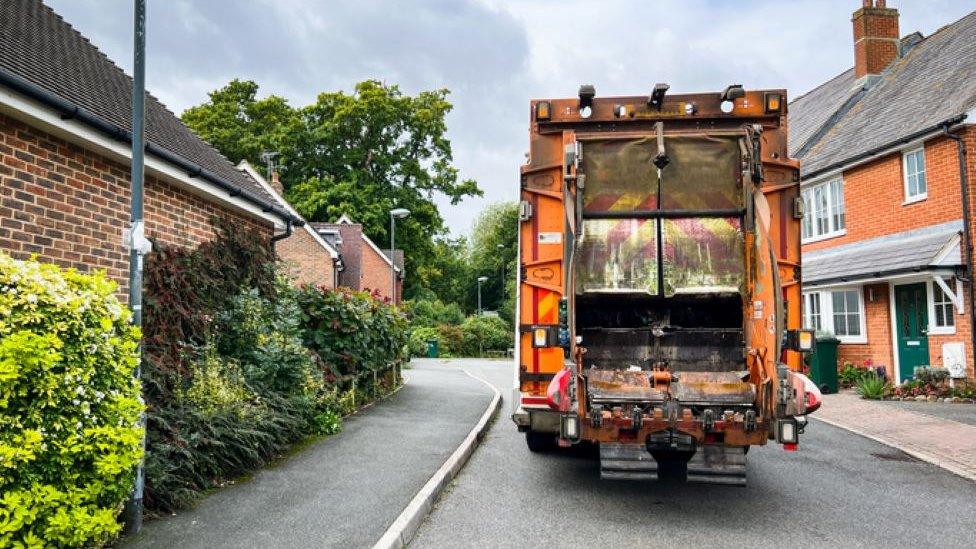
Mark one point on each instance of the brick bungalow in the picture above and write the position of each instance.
(365, 265)
(65, 152)
(308, 258)
(888, 156)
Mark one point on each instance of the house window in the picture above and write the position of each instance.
(916, 187)
(840, 312)
(824, 213)
(811, 312)
(941, 310)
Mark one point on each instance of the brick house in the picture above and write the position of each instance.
(308, 258)
(65, 152)
(365, 265)
(887, 188)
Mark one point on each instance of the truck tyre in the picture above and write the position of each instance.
(540, 442)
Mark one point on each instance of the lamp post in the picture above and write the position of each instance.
(481, 279)
(395, 213)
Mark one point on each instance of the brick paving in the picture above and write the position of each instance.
(943, 442)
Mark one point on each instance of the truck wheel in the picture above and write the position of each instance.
(540, 442)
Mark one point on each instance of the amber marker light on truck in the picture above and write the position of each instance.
(543, 110)
(774, 102)
(540, 337)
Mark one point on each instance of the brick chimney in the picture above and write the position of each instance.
(276, 184)
(875, 37)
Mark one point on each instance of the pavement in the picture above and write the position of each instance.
(838, 490)
(343, 491)
(939, 433)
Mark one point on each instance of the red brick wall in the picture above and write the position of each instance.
(69, 206)
(874, 196)
(375, 273)
(306, 260)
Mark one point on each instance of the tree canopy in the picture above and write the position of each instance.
(360, 154)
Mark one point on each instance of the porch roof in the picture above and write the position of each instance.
(917, 250)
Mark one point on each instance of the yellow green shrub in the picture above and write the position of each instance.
(69, 407)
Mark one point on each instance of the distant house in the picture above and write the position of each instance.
(307, 256)
(65, 156)
(888, 220)
(365, 265)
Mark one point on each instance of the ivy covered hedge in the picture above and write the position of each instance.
(69, 406)
(240, 365)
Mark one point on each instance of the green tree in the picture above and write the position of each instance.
(493, 253)
(240, 125)
(360, 154)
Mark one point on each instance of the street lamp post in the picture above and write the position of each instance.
(395, 213)
(481, 279)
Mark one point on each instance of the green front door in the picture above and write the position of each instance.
(912, 323)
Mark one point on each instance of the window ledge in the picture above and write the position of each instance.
(942, 331)
(822, 237)
(914, 199)
(852, 340)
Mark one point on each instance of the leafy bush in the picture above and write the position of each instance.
(871, 386)
(849, 374)
(266, 337)
(419, 337)
(484, 333)
(69, 406)
(352, 331)
(431, 313)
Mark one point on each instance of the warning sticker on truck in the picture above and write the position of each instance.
(550, 238)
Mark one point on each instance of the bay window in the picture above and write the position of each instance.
(824, 212)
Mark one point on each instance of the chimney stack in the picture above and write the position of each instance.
(876, 37)
(276, 184)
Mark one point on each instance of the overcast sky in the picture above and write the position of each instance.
(492, 54)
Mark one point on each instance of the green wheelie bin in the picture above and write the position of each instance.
(823, 363)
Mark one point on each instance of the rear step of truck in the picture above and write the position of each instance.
(718, 465)
(626, 462)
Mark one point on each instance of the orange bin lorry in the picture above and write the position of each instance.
(659, 285)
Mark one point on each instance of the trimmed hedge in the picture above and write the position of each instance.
(69, 406)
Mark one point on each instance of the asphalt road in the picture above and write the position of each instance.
(343, 491)
(838, 490)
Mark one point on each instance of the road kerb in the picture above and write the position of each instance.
(923, 456)
(403, 529)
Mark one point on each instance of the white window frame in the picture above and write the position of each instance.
(827, 312)
(934, 329)
(834, 209)
(920, 175)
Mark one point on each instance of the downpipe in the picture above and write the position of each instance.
(966, 229)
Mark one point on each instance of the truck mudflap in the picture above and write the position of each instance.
(621, 461)
(714, 464)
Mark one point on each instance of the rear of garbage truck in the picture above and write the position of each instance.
(659, 285)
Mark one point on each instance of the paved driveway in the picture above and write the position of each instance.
(345, 490)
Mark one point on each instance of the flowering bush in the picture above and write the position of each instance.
(69, 406)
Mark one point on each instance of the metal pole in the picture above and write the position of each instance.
(479, 297)
(393, 257)
(133, 508)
